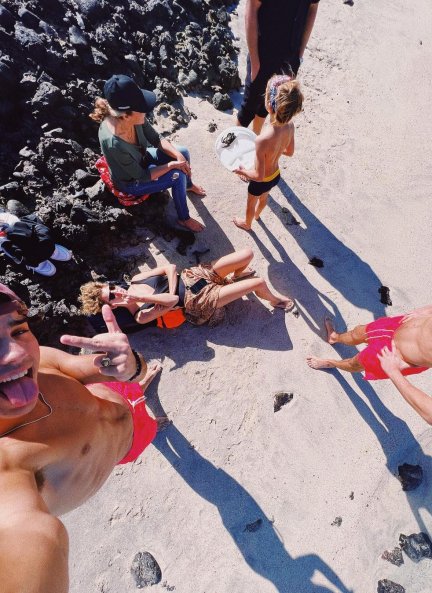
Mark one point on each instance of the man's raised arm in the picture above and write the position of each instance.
(33, 544)
(113, 348)
(310, 21)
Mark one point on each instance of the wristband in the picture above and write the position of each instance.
(138, 366)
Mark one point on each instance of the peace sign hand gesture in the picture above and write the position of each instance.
(117, 359)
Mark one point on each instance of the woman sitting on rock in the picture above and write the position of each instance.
(196, 294)
(139, 160)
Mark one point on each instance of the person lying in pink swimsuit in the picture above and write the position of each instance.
(396, 346)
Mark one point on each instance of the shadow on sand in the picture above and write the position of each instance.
(262, 550)
(352, 277)
(394, 436)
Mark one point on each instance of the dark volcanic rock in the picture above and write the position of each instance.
(145, 570)
(386, 586)
(222, 101)
(416, 546)
(280, 399)
(410, 476)
(393, 556)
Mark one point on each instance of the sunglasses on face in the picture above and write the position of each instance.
(111, 291)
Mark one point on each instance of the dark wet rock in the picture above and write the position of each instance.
(10, 190)
(410, 476)
(46, 96)
(145, 570)
(416, 546)
(252, 527)
(212, 126)
(86, 179)
(29, 19)
(77, 37)
(222, 102)
(351, 496)
(280, 399)
(7, 19)
(386, 586)
(337, 522)
(349, 2)
(393, 556)
(316, 262)
(18, 208)
(385, 295)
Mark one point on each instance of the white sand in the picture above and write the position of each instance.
(360, 183)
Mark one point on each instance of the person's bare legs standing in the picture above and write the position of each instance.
(350, 338)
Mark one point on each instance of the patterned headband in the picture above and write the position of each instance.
(276, 81)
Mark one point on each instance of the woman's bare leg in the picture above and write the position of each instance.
(351, 365)
(233, 262)
(262, 203)
(350, 338)
(232, 292)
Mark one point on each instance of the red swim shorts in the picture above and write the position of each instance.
(145, 427)
(379, 334)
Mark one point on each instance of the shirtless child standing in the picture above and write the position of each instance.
(284, 100)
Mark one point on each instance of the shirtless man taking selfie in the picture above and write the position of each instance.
(64, 425)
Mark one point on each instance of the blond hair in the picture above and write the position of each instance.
(91, 297)
(103, 109)
(288, 101)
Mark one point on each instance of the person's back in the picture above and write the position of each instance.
(284, 100)
(413, 339)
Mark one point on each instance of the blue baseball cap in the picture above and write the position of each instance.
(123, 94)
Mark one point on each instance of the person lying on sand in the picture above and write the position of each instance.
(65, 422)
(139, 160)
(194, 295)
(396, 346)
(284, 100)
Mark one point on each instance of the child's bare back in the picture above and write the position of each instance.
(283, 101)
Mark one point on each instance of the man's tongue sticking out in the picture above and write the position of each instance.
(20, 392)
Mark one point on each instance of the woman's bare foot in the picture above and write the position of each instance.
(285, 304)
(319, 363)
(241, 224)
(197, 190)
(192, 224)
(332, 336)
(153, 369)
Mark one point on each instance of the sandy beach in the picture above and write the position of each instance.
(237, 498)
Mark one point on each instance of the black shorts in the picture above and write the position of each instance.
(256, 188)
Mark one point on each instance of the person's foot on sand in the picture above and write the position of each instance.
(241, 224)
(319, 363)
(153, 369)
(285, 304)
(192, 224)
(331, 334)
(197, 190)
(162, 423)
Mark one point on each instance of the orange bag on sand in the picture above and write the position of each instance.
(172, 319)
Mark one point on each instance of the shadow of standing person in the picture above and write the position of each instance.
(262, 549)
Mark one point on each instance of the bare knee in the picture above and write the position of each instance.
(245, 254)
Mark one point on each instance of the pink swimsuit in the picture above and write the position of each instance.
(379, 334)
